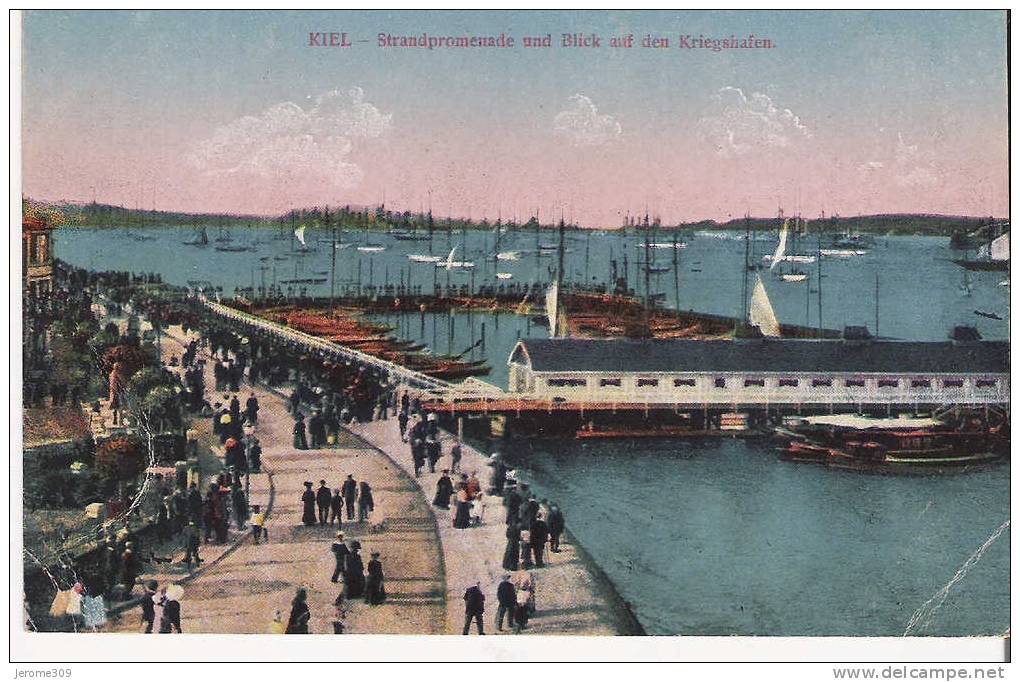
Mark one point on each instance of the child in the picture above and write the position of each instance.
(478, 510)
(258, 524)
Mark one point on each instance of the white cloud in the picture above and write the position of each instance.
(584, 125)
(737, 123)
(292, 142)
(912, 170)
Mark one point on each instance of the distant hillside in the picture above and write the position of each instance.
(379, 217)
(888, 223)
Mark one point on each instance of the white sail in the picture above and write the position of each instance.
(762, 315)
(780, 253)
(552, 305)
(449, 259)
(1000, 247)
(300, 234)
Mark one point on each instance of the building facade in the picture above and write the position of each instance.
(762, 373)
(36, 257)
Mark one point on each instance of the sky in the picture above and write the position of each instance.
(846, 113)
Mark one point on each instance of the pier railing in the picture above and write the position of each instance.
(430, 388)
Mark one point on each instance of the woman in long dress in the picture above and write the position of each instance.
(512, 555)
(375, 592)
(299, 614)
(462, 518)
(354, 572)
(308, 498)
(444, 491)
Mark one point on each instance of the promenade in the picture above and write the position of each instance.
(571, 596)
(242, 592)
(428, 564)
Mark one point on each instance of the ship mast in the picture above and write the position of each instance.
(332, 262)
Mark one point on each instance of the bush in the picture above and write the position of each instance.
(121, 459)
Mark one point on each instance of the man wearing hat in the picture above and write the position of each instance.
(323, 495)
(340, 552)
(474, 607)
(506, 595)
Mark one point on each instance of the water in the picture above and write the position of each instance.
(711, 537)
(720, 538)
(921, 290)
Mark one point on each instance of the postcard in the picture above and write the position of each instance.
(623, 328)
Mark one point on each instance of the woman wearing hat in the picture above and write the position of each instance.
(308, 500)
(354, 572)
(375, 592)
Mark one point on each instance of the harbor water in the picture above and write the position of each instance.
(709, 537)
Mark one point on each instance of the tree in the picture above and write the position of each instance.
(121, 459)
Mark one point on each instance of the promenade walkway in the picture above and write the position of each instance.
(572, 598)
(242, 593)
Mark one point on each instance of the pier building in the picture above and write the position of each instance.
(855, 371)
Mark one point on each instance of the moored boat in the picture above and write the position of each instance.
(892, 443)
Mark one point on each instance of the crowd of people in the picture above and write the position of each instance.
(335, 394)
(532, 525)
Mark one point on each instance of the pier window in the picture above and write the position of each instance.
(647, 382)
(855, 383)
(720, 382)
(754, 382)
(985, 383)
(821, 382)
(567, 382)
(683, 383)
(615, 381)
(920, 383)
(789, 383)
(888, 383)
(952, 383)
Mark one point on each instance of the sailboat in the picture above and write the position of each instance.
(841, 253)
(991, 256)
(663, 245)
(451, 264)
(423, 258)
(558, 326)
(224, 236)
(372, 248)
(508, 255)
(762, 315)
(504, 275)
(780, 256)
(200, 238)
(780, 253)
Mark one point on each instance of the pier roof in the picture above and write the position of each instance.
(763, 355)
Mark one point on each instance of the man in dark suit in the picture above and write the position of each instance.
(506, 594)
(350, 495)
(322, 497)
(539, 536)
(474, 607)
